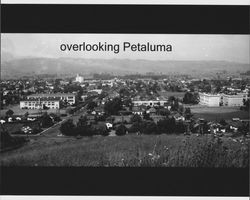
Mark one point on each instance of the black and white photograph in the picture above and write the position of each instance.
(125, 100)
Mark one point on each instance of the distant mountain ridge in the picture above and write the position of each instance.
(34, 66)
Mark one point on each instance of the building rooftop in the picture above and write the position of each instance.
(209, 94)
(43, 99)
(51, 95)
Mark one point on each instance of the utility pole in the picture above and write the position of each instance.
(187, 124)
(201, 126)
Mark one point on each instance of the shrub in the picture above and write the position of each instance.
(103, 132)
(8, 141)
(113, 106)
(121, 130)
(166, 125)
(149, 127)
(136, 119)
(36, 130)
(84, 131)
(46, 120)
(19, 132)
(91, 105)
(55, 117)
(9, 113)
(136, 127)
(68, 128)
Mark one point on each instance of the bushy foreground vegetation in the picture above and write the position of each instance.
(136, 151)
(7, 141)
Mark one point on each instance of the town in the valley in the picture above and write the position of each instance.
(106, 105)
(109, 103)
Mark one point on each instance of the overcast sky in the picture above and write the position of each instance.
(185, 47)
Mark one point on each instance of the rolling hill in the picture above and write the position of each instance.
(17, 67)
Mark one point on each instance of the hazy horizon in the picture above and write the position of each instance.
(231, 48)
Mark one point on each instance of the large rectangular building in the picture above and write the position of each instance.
(40, 103)
(150, 102)
(210, 99)
(70, 98)
(51, 101)
(233, 100)
(214, 100)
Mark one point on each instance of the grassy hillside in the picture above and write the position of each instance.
(134, 151)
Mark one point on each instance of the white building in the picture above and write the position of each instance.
(210, 99)
(149, 103)
(233, 100)
(109, 83)
(99, 91)
(52, 101)
(70, 98)
(214, 100)
(79, 79)
(40, 103)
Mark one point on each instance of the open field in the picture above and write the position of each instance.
(217, 113)
(130, 150)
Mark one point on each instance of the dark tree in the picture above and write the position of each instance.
(121, 130)
(63, 103)
(149, 127)
(171, 99)
(190, 98)
(26, 114)
(46, 120)
(112, 107)
(207, 88)
(187, 113)
(136, 127)
(55, 117)
(45, 107)
(146, 116)
(175, 105)
(68, 128)
(166, 125)
(180, 128)
(223, 122)
(244, 128)
(128, 102)
(83, 128)
(246, 104)
(163, 112)
(9, 113)
(136, 119)
(124, 92)
(163, 126)
(91, 105)
(181, 109)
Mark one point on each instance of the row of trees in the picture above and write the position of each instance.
(191, 98)
(167, 125)
(82, 128)
(139, 125)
